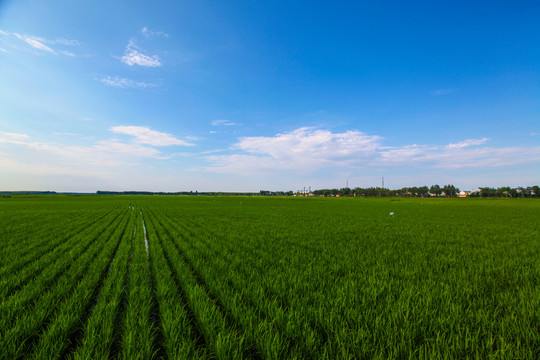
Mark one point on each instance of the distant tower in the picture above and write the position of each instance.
(383, 182)
(347, 186)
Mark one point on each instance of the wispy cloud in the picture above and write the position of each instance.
(189, 154)
(309, 149)
(132, 149)
(39, 43)
(150, 33)
(100, 153)
(223, 123)
(34, 42)
(65, 134)
(67, 53)
(67, 167)
(14, 135)
(135, 56)
(466, 143)
(67, 42)
(443, 92)
(442, 157)
(144, 135)
(120, 82)
(284, 158)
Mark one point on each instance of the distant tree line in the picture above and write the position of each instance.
(432, 191)
(413, 191)
(187, 193)
(195, 193)
(28, 193)
(506, 191)
(275, 193)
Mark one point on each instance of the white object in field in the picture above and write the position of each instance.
(392, 213)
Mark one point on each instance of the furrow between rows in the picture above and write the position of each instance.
(222, 336)
(25, 326)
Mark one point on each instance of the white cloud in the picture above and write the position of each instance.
(144, 135)
(67, 42)
(119, 82)
(443, 92)
(303, 156)
(34, 42)
(483, 157)
(65, 134)
(132, 149)
(309, 149)
(54, 166)
(223, 123)
(403, 154)
(457, 157)
(14, 135)
(149, 33)
(466, 143)
(133, 56)
(39, 43)
(102, 153)
(67, 53)
(311, 143)
(302, 149)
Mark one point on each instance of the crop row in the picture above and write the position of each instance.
(53, 248)
(272, 279)
(47, 308)
(348, 290)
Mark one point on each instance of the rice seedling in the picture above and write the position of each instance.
(269, 278)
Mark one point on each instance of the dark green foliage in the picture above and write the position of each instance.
(142, 277)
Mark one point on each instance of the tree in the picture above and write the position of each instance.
(436, 190)
(488, 192)
(525, 192)
(450, 190)
(503, 191)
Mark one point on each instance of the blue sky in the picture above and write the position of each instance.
(245, 95)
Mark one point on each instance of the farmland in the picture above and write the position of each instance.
(268, 278)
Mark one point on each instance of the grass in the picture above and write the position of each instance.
(270, 278)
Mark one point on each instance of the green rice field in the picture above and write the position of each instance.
(179, 277)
